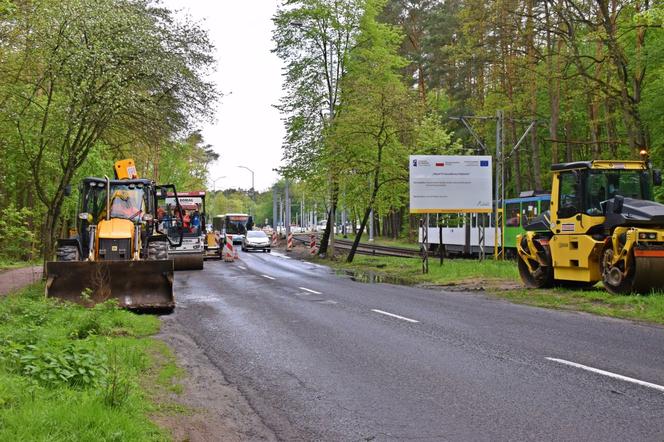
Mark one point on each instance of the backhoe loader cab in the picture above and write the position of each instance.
(124, 230)
(603, 226)
(120, 249)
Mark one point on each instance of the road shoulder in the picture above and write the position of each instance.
(219, 411)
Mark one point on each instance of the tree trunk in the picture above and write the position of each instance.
(554, 47)
(569, 147)
(358, 236)
(611, 129)
(536, 180)
(327, 241)
(630, 84)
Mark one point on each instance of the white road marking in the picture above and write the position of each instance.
(280, 255)
(329, 301)
(609, 374)
(267, 276)
(242, 267)
(310, 291)
(394, 316)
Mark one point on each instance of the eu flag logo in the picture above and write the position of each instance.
(484, 163)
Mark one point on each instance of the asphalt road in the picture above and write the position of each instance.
(321, 357)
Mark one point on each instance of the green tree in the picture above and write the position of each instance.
(378, 115)
(314, 38)
(79, 71)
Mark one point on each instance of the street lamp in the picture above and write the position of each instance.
(214, 183)
(252, 179)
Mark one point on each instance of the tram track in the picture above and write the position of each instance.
(367, 249)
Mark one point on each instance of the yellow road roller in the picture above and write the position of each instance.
(603, 225)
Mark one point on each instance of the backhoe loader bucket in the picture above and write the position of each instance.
(188, 261)
(137, 285)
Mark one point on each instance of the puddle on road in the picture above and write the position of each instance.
(372, 278)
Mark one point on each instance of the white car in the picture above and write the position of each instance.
(256, 240)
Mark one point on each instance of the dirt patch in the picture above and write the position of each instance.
(219, 412)
(476, 285)
(14, 279)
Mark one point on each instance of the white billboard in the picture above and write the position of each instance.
(450, 184)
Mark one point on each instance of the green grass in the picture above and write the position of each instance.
(501, 279)
(168, 374)
(452, 270)
(70, 373)
(649, 308)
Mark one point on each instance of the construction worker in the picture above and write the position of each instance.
(186, 220)
(121, 205)
(195, 222)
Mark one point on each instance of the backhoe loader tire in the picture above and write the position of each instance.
(157, 251)
(67, 253)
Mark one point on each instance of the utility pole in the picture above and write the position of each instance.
(274, 207)
(288, 209)
(371, 225)
(343, 223)
(332, 220)
(281, 214)
(371, 216)
(500, 158)
(499, 197)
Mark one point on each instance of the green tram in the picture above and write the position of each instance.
(461, 232)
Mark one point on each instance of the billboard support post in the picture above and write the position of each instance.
(424, 247)
(440, 240)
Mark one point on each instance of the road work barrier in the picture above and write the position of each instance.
(275, 238)
(289, 244)
(312, 244)
(229, 253)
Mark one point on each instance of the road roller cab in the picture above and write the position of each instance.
(190, 254)
(603, 226)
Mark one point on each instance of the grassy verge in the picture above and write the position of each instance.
(452, 271)
(501, 279)
(69, 373)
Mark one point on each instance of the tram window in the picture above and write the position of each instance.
(528, 212)
(473, 220)
(512, 215)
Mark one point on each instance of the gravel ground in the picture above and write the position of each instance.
(14, 279)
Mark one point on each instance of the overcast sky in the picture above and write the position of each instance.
(248, 131)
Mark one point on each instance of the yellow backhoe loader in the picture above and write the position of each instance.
(603, 225)
(120, 249)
